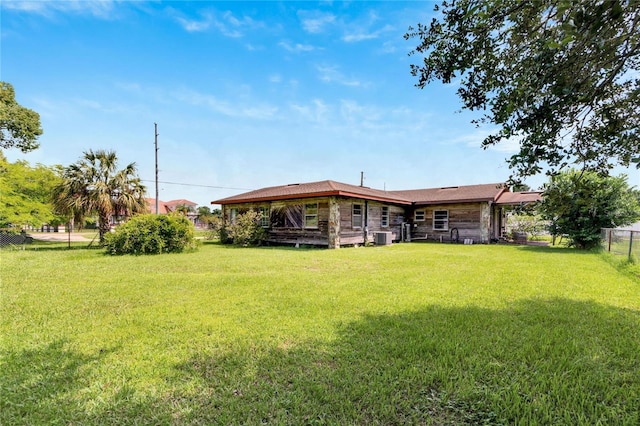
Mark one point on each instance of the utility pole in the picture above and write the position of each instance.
(156, 144)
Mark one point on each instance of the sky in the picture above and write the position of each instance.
(245, 94)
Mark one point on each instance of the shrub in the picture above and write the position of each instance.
(246, 230)
(152, 234)
(528, 223)
(214, 228)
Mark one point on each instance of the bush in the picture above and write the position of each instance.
(246, 231)
(152, 234)
(528, 223)
(214, 228)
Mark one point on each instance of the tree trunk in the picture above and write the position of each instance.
(103, 226)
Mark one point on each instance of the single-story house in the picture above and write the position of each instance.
(334, 214)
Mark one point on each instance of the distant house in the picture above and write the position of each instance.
(336, 214)
(166, 207)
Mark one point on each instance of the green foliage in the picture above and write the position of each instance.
(26, 194)
(580, 204)
(408, 334)
(94, 185)
(527, 222)
(212, 220)
(541, 71)
(19, 126)
(152, 234)
(246, 230)
(215, 227)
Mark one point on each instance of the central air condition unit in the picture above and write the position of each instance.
(382, 238)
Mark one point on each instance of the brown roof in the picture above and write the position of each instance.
(151, 203)
(454, 194)
(513, 198)
(180, 202)
(323, 188)
(166, 207)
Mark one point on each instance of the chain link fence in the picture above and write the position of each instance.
(622, 242)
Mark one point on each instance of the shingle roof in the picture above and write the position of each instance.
(454, 194)
(313, 189)
(166, 207)
(180, 202)
(511, 198)
(151, 203)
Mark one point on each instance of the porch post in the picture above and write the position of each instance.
(334, 223)
(485, 219)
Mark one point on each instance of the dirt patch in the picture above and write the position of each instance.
(58, 236)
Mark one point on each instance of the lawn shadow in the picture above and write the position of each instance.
(554, 250)
(38, 384)
(540, 361)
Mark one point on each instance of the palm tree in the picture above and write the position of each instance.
(93, 185)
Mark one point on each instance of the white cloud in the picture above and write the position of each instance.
(249, 109)
(388, 47)
(331, 74)
(192, 25)
(297, 48)
(316, 111)
(99, 8)
(227, 24)
(315, 22)
(474, 140)
(362, 34)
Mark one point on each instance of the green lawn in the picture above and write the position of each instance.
(407, 334)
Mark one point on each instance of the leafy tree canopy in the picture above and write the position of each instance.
(580, 204)
(94, 185)
(19, 126)
(26, 193)
(560, 76)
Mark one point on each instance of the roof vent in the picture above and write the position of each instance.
(450, 187)
(293, 184)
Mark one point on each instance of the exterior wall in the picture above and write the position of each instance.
(335, 221)
(294, 232)
(472, 220)
(396, 217)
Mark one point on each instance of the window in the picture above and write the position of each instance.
(233, 214)
(384, 217)
(441, 220)
(356, 216)
(311, 215)
(419, 216)
(264, 217)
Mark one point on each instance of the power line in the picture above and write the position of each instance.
(193, 184)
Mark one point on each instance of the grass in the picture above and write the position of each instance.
(407, 334)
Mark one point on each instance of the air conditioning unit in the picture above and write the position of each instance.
(382, 238)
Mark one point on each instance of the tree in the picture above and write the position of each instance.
(579, 204)
(93, 185)
(26, 193)
(184, 209)
(559, 76)
(19, 126)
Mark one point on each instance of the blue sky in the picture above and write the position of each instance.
(245, 94)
